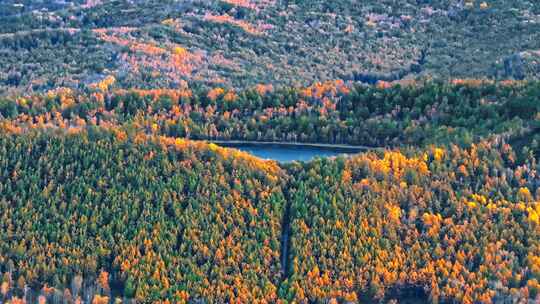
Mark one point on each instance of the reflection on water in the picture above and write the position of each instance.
(285, 154)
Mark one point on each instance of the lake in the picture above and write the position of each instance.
(288, 152)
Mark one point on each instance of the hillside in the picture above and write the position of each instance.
(95, 213)
(171, 44)
(101, 213)
(442, 223)
(418, 114)
(114, 189)
(106, 198)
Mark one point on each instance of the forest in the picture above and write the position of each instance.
(113, 195)
(114, 188)
(386, 115)
(242, 43)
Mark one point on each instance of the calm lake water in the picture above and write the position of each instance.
(285, 154)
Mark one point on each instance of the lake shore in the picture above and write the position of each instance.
(335, 147)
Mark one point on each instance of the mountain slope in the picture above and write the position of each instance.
(153, 220)
(243, 43)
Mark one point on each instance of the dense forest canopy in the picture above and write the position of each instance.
(387, 115)
(153, 218)
(241, 43)
(108, 194)
(111, 190)
(156, 219)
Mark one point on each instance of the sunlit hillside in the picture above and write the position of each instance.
(269, 151)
